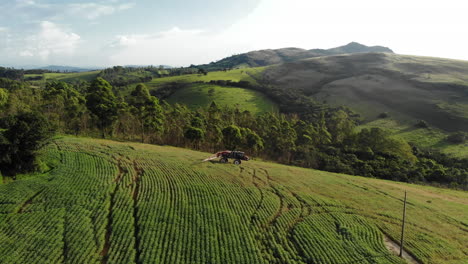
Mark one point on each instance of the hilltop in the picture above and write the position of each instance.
(110, 202)
(276, 56)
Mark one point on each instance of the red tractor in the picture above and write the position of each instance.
(238, 156)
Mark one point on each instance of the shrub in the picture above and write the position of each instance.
(383, 115)
(422, 124)
(457, 137)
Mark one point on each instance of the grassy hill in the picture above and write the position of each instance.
(112, 202)
(276, 56)
(409, 88)
(201, 95)
(424, 137)
(194, 94)
(65, 76)
(85, 76)
(249, 75)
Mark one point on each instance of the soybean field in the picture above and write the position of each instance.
(111, 202)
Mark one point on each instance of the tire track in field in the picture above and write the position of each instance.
(261, 235)
(105, 250)
(282, 208)
(64, 240)
(273, 230)
(306, 210)
(28, 202)
(255, 178)
(136, 229)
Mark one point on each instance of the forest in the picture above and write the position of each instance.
(321, 138)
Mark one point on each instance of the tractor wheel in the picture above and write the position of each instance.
(237, 162)
(223, 160)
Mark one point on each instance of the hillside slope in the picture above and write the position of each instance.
(113, 202)
(197, 96)
(409, 88)
(277, 56)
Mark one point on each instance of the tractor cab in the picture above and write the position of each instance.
(238, 156)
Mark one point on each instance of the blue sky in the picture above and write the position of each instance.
(177, 32)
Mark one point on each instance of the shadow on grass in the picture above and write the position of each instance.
(408, 129)
(442, 143)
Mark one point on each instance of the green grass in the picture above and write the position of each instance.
(233, 75)
(134, 203)
(423, 137)
(456, 108)
(85, 76)
(430, 69)
(201, 95)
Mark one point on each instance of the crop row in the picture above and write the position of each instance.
(115, 204)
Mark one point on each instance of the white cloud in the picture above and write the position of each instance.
(127, 40)
(419, 27)
(50, 40)
(125, 6)
(175, 47)
(307, 24)
(25, 2)
(93, 11)
(3, 29)
(26, 53)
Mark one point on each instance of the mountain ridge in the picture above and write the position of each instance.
(267, 57)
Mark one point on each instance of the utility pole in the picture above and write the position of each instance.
(403, 227)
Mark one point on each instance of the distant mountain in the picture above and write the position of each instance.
(277, 56)
(144, 66)
(67, 68)
(352, 47)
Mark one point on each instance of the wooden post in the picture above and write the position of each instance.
(403, 227)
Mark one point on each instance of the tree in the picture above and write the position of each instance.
(102, 103)
(64, 105)
(195, 135)
(231, 137)
(422, 124)
(379, 140)
(251, 140)
(323, 135)
(147, 110)
(202, 71)
(340, 126)
(3, 97)
(457, 137)
(22, 136)
(286, 140)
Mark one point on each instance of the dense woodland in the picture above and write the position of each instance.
(319, 138)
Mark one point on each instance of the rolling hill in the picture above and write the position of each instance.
(409, 88)
(65, 76)
(277, 56)
(369, 80)
(110, 202)
(201, 95)
(67, 68)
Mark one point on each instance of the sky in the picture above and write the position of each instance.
(182, 32)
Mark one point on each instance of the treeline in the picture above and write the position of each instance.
(124, 76)
(18, 74)
(11, 73)
(289, 101)
(328, 142)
